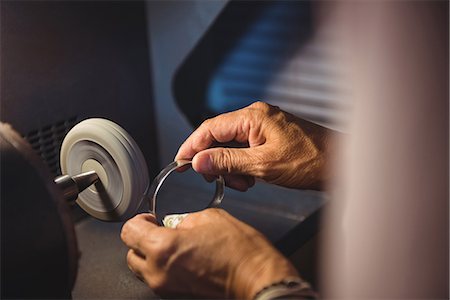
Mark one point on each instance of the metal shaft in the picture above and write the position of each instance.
(71, 186)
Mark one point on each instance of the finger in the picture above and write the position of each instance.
(136, 230)
(238, 182)
(233, 126)
(226, 161)
(183, 168)
(250, 181)
(209, 178)
(136, 263)
(146, 217)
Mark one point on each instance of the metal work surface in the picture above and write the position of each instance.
(103, 271)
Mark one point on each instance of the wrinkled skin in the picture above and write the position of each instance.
(210, 254)
(282, 149)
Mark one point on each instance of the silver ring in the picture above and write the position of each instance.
(158, 181)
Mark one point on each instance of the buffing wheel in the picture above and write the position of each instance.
(105, 147)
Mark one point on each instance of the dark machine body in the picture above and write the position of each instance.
(38, 249)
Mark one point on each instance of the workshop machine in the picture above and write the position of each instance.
(144, 75)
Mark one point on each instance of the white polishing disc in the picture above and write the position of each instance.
(106, 148)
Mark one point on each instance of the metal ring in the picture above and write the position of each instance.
(158, 181)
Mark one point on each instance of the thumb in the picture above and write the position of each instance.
(223, 161)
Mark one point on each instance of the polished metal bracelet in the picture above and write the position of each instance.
(173, 220)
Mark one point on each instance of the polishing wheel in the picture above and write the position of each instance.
(104, 147)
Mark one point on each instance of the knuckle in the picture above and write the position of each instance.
(207, 123)
(159, 283)
(129, 257)
(262, 112)
(130, 228)
(225, 160)
(213, 214)
(259, 105)
(279, 117)
(124, 231)
(264, 109)
(209, 212)
(216, 212)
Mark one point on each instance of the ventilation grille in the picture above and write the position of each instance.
(47, 141)
(282, 59)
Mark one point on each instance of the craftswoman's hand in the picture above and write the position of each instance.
(210, 254)
(279, 148)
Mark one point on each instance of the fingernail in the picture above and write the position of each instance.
(203, 164)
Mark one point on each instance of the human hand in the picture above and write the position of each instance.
(281, 148)
(210, 254)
